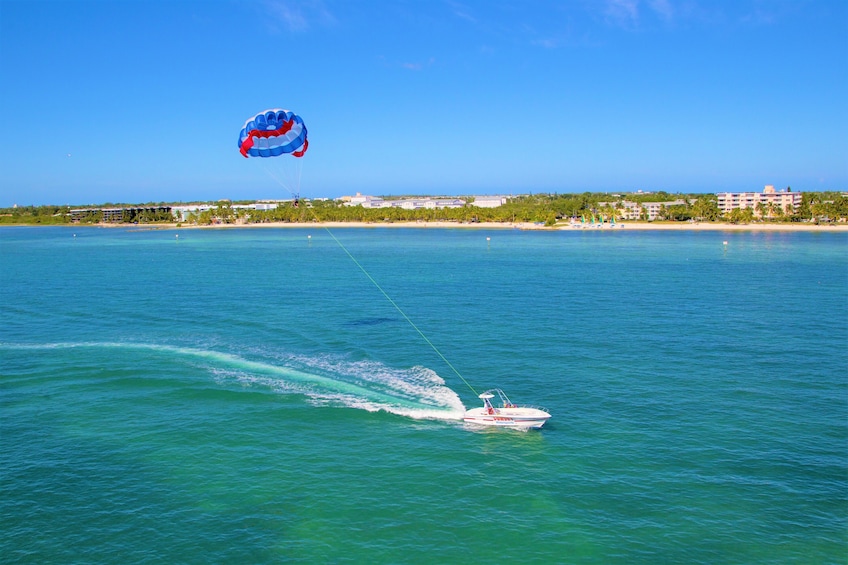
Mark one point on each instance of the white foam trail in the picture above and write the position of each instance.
(416, 393)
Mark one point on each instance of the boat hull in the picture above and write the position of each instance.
(523, 418)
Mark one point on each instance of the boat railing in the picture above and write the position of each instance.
(507, 403)
(533, 406)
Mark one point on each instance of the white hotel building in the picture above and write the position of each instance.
(367, 201)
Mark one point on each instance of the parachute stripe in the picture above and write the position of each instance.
(302, 151)
(252, 135)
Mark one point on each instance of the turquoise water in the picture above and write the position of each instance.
(249, 396)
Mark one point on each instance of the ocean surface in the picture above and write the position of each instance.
(295, 396)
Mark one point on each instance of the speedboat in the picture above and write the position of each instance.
(508, 415)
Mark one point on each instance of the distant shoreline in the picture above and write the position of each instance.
(625, 226)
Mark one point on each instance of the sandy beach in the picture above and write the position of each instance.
(625, 226)
(724, 226)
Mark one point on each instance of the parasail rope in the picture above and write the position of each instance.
(397, 307)
(374, 282)
(283, 180)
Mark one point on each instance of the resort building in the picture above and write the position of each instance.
(360, 200)
(406, 203)
(489, 201)
(627, 210)
(763, 203)
(182, 212)
(429, 203)
(266, 206)
(117, 214)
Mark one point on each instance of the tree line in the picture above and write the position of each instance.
(536, 208)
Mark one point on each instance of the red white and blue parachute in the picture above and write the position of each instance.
(272, 133)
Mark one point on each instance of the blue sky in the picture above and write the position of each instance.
(131, 101)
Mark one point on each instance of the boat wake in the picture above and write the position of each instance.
(415, 392)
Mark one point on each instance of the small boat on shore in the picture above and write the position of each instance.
(508, 415)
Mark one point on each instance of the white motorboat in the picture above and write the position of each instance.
(508, 415)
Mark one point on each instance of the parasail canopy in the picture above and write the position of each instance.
(273, 133)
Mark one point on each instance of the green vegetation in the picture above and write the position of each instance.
(35, 215)
(819, 207)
